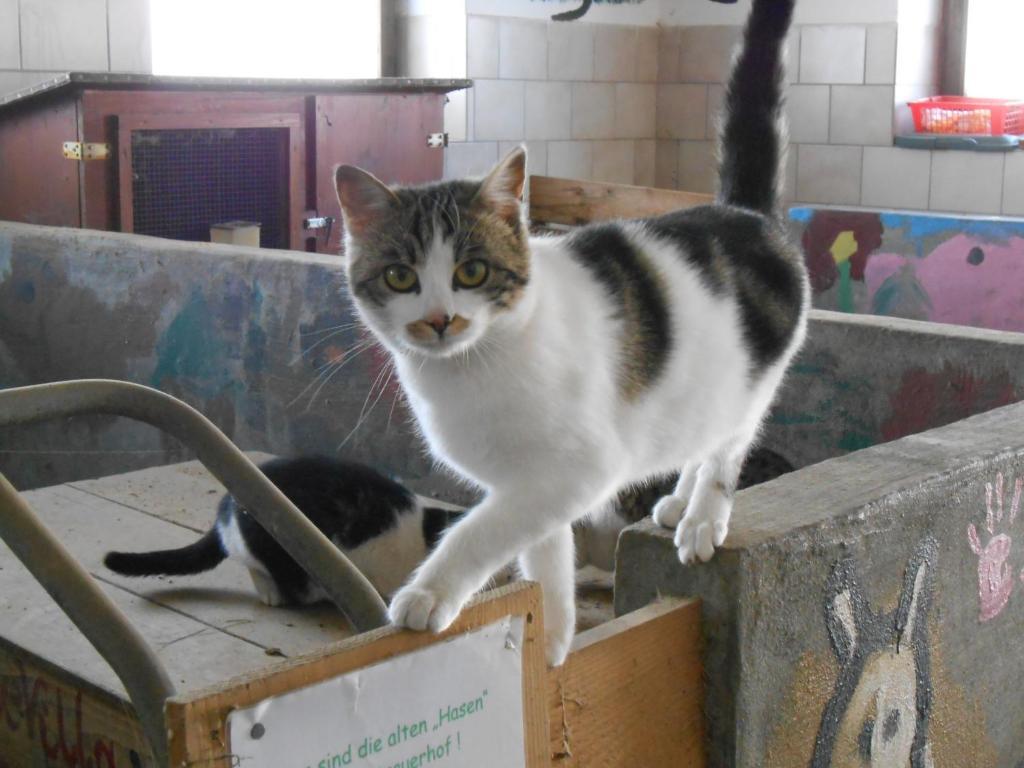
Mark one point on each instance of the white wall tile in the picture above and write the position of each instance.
(681, 111)
(455, 116)
(807, 110)
(793, 55)
(635, 110)
(64, 34)
(705, 53)
(570, 159)
(666, 164)
(470, 159)
(536, 155)
(614, 53)
(498, 109)
(789, 179)
(668, 54)
(647, 54)
(644, 162)
(548, 110)
(716, 109)
(861, 114)
(896, 178)
(10, 45)
(828, 174)
(522, 49)
(880, 58)
(482, 46)
(698, 170)
(1013, 185)
(832, 54)
(967, 182)
(593, 111)
(570, 51)
(613, 161)
(131, 45)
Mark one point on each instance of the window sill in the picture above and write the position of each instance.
(962, 143)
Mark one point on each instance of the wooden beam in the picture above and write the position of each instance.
(631, 692)
(198, 722)
(574, 202)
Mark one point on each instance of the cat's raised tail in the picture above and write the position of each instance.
(202, 555)
(753, 140)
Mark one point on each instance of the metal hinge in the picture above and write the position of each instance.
(319, 222)
(85, 150)
(436, 140)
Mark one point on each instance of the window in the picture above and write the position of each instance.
(991, 65)
(237, 38)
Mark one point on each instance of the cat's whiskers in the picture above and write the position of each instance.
(358, 347)
(317, 343)
(389, 369)
(325, 372)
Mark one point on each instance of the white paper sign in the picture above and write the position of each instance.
(453, 704)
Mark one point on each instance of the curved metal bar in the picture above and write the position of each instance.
(344, 584)
(95, 614)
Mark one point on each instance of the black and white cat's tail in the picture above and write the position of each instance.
(753, 141)
(202, 555)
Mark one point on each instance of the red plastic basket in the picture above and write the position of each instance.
(963, 114)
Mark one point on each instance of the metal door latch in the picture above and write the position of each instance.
(319, 222)
(85, 150)
(435, 140)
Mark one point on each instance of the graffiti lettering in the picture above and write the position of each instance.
(52, 716)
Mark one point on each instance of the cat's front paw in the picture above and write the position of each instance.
(421, 608)
(703, 528)
(668, 511)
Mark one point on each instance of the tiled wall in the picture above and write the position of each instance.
(582, 96)
(39, 38)
(640, 104)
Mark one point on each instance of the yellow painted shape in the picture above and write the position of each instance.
(844, 247)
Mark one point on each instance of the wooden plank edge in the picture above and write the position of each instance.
(197, 720)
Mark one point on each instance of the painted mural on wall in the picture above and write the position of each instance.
(899, 666)
(878, 714)
(919, 266)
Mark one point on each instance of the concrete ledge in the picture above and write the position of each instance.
(863, 526)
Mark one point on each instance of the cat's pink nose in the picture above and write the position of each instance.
(439, 322)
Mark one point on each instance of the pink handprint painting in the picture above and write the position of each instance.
(995, 578)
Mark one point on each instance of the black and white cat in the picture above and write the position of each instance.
(378, 523)
(553, 371)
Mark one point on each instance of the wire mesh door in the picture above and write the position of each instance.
(177, 180)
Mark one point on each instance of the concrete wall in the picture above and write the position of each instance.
(864, 609)
(242, 334)
(245, 335)
(966, 271)
(863, 380)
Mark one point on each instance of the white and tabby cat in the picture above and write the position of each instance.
(553, 371)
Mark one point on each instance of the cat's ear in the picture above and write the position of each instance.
(502, 190)
(363, 197)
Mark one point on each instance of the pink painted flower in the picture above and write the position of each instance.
(995, 580)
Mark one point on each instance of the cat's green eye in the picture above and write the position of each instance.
(401, 278)
(471, 274)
